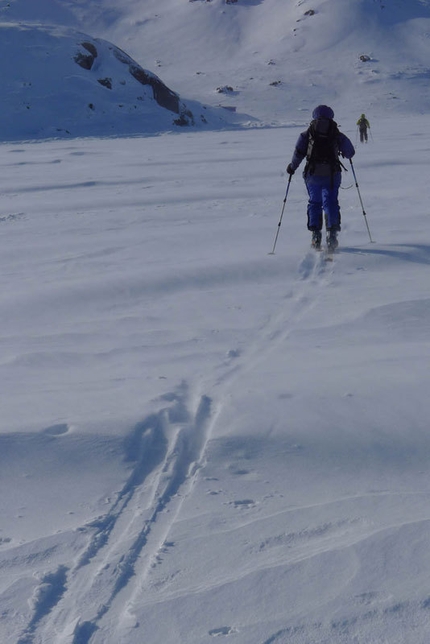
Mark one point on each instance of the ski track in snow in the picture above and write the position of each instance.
(313, 273)
(166, 451)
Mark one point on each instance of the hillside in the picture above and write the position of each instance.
(64, 83)
(269, 60)
(281, 57)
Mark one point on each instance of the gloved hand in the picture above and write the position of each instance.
(290, 169)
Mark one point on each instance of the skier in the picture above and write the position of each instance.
(363, 124)
(321, 144)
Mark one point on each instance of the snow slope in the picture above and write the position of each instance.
(279, 57)
(269, 60)
(198, 439)
(64, 84)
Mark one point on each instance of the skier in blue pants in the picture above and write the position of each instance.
(323, 197)
(321, 144)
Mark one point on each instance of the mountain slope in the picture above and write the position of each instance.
(65, 83)
(267, 58)
(280, 58)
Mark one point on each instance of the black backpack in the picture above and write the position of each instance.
(323, 148)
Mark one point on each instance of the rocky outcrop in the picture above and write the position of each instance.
(164, 96)
(85, 87)
(86, 60)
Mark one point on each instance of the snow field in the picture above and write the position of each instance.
(200, 439)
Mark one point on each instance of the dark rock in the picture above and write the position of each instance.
(106, 82)
(86, 61)
(164, 96)
(89, 46)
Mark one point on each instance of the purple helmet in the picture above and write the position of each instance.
(323, 112)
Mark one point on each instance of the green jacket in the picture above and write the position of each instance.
(363, 122)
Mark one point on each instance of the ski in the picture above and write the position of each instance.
(327, 254)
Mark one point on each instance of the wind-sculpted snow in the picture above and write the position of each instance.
(164, 452)
(47, 594)
(200, 441)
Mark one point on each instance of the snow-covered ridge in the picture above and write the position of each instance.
(64, 83)
(268, 59)
(280, 58)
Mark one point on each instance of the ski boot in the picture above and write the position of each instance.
(316, 240)
(332, 242)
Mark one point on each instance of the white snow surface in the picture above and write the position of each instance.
(201, 441)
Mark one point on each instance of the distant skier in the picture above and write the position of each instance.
(363, 125)
(321, 144)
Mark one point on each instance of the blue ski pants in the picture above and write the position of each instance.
(323, 197)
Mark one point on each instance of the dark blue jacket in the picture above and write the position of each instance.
(346, 149)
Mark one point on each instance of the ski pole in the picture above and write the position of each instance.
(282, 214)
(361, 201)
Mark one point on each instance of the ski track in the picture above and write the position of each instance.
(166, 451)
(313, 275)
